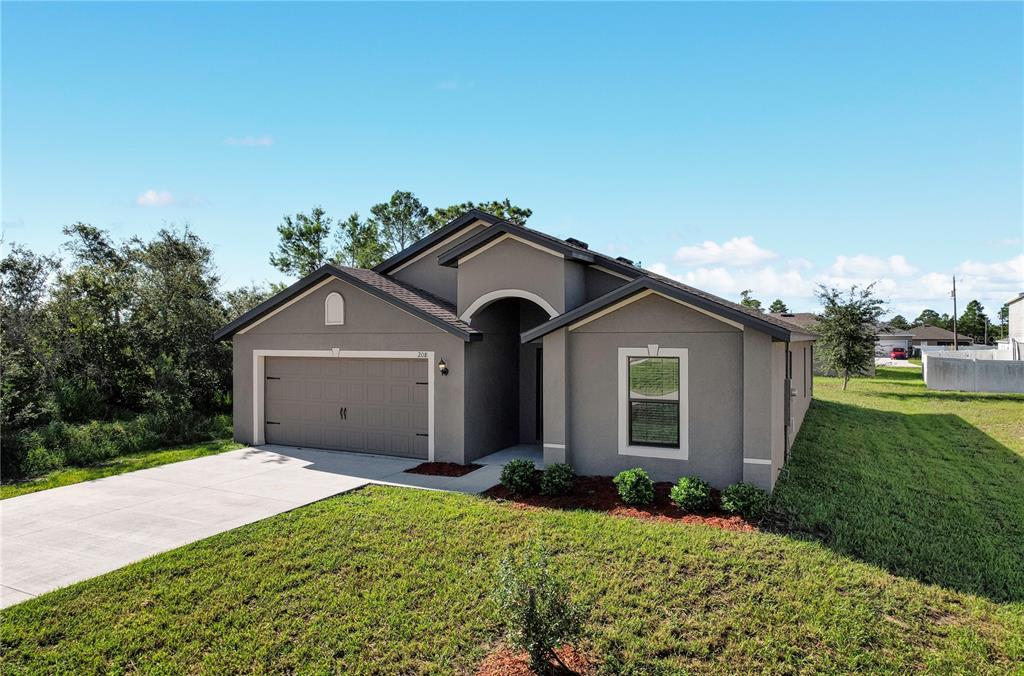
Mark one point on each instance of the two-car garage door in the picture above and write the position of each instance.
(363, 405)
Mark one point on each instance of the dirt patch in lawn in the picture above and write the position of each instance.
(598, 493)
(443, 469)
(504, 661)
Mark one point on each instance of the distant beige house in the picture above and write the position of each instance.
(931, 336)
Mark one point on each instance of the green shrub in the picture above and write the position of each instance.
(32, 452)
(635, 487)
(519, 477)
(557, 479)
(534, 607)
(745, 499)
(691, 494)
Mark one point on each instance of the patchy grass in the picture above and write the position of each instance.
(391, 580)
(926, 484)
(118, 465)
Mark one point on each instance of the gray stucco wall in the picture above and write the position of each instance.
(757, 409)
(599, 283)
(426, 274)
(715, 390)
(511, 264)
(370, 324)
(803, 383)
(491, 401)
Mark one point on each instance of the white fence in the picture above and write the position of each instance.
(984, 370)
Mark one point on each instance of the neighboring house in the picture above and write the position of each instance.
(931, 336)
(886, 339)
(1015, 331)
(485, 335)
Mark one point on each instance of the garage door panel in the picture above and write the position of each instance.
(384, 403)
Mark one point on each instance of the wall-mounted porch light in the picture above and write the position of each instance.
(442, 367)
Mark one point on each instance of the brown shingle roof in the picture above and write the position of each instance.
(410, 295)
(929, 332)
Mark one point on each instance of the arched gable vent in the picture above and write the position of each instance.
(334, 309)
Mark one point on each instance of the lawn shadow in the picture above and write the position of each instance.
(926, 496)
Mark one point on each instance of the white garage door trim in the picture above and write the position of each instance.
(259, 381)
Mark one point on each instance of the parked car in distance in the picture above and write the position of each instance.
(898, 353)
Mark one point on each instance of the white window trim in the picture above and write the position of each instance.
(681, 453)
(259, 382)
(327, 299)
(493, 296)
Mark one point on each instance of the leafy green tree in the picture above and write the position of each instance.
(749, 301)
(899, 322)
(239, 301)
(930, 318)
(1004, 319)
(304, 244)
(845, 328)
(399, 222)
(778, 306)
(503, 209)
(973, 322)
(175, 312)
(360, 242)
(24, 372)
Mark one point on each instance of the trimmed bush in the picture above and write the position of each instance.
(519, 477)
(534, 607)
(557, 479)
(745, 499)
(691, 494)
(635, 487)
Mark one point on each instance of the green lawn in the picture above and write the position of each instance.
(391, 580)
(929, 485)
(906, 556)
(118, 465)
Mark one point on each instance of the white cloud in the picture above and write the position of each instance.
(249, 141)
(155, 198)
(864, 267)
(738, 251)
(905, 289)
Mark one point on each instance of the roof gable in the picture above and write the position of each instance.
(422, 245)
(504, 229)
(416, 302)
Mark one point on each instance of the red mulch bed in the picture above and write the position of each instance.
(598, 493)
(505, 662)
(443, 469)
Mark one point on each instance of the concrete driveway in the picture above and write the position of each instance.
(53, 538)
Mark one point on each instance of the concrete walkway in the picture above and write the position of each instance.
(56, 537)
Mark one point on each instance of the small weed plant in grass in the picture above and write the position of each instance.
(534, 607)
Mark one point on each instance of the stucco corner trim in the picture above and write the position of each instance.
(681, 453)
(492, 296)
(259, 382)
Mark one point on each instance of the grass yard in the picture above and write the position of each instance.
(391, 580)
(903, 552)
(118, 465)
(927, 484)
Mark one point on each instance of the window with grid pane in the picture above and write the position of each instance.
(654, 401)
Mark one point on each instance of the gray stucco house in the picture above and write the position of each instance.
(485, 335)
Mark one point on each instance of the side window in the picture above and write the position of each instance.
(654, 401)
(334, 309)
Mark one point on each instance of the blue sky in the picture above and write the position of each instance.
(763, 146)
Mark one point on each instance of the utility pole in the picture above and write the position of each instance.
(956, 343)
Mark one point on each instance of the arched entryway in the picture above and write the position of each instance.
(504, 384)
